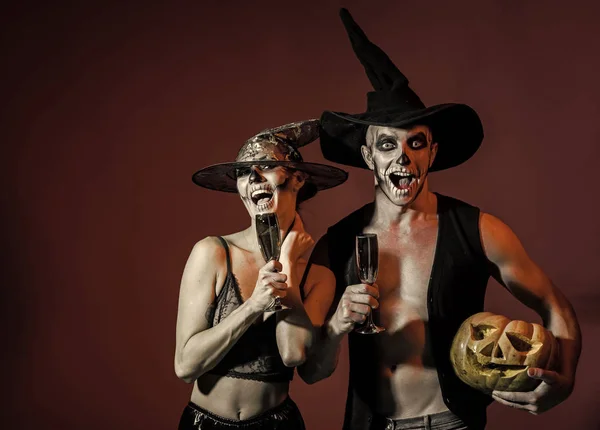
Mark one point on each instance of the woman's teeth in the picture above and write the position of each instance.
(261, 196)
(263, 199)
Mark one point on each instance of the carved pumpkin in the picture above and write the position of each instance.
(491, 352)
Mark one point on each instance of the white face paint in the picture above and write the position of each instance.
(267, 188)
(400, 160)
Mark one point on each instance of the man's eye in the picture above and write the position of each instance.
(417, 143)
(387, 144)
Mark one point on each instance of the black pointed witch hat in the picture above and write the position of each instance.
(455, 127)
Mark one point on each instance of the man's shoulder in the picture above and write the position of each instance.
(350, 221)
(337, 238)
(453, 202)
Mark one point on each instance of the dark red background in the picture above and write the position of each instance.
(108, 108)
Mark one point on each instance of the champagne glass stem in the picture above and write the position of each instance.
(370, 322)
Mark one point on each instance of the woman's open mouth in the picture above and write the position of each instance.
(262, 199)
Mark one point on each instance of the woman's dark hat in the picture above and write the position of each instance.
(273, 147)
(455, 127)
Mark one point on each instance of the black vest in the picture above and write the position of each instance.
(456, 291)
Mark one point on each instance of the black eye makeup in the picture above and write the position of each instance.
(418, 141)
(240, 172)
(385, 143)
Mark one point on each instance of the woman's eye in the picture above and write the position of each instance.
(240, 172)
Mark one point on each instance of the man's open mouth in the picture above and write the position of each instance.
(402, 180)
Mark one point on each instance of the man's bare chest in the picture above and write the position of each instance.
(406, 259)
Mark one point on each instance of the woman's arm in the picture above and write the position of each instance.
(323, 356)
(294, 329)
(295, 326)
(200, 347)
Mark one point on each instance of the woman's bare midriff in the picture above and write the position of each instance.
(237, 399)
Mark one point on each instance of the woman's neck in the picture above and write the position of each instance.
(284, 220)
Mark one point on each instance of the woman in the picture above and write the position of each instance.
(240, 357)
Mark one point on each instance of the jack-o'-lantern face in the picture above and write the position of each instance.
(491, 352)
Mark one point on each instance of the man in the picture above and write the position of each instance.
(436, 255)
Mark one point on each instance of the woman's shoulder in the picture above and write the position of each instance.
(206, 264)
(209, 249)
(217, 247)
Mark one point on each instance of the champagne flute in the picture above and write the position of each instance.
(367, 260)
(269, 242)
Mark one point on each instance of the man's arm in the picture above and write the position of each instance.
(351, 308)
(514, 269)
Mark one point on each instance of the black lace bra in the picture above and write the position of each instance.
(255, 355)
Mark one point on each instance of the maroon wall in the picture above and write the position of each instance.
(107, 110)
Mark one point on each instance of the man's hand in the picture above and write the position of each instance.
(554, 389)
(354, 306)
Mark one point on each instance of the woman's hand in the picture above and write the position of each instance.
(297, 242)
(270, 284)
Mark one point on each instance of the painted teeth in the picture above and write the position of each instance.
(400, 192)
(403, 173)
(265, 206)
(257, 192)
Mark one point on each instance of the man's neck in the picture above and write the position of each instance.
(386, 213)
